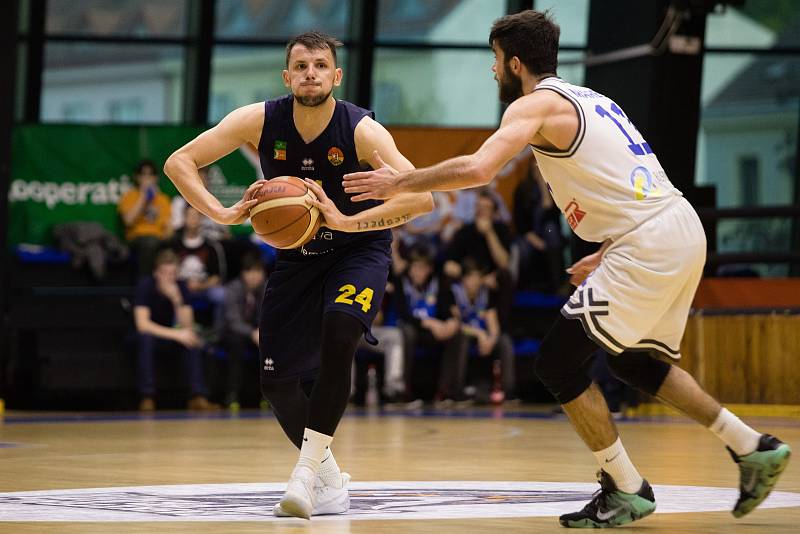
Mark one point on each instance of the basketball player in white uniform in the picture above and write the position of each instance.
(633, 295)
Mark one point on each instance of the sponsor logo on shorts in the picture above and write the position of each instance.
(269, 364)
(368, 501)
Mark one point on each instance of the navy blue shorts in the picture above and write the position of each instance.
(350, 280)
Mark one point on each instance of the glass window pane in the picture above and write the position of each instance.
(572, 16)
(242, 75)
(438, 21)
(281, 19)
(143, 18)
(767, 234)
(569, 71)
(747, 140)
(757, 24)
(95, 82)
(435, 87)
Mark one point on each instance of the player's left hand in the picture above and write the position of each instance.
(332, 217)
(378, 184)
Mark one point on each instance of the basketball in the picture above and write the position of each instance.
(282, 218)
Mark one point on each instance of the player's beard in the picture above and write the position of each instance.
(510, 86)
(313, 101)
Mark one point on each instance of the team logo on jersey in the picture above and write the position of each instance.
(642, 182)
(307, 164)
(335, 156)
(574, 214)
(279, 150)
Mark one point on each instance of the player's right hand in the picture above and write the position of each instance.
(239, 212)
(583, 268)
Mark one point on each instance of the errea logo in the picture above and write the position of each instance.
(307, 164)
(269, 364)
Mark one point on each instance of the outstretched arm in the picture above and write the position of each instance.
(521, 121)
(375, 146)
(241, 126)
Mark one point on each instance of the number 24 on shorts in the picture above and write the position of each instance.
(364, 298)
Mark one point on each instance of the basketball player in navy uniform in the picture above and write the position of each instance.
(322, 297)
(633, 296)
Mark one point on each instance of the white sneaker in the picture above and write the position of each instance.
(327, 499)
(298, 501)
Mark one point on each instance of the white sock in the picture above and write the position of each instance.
(313, 450)
(614, 461)
(329, 471)
(734, 433)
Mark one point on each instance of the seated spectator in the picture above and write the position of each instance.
(488, 242)
(145, 212)
(426, 319)
(165, 326)
(202, 264)
(537, 255)
(209, 229)
(243, 298)
(476, 307)
(427, 229)
(466, 205)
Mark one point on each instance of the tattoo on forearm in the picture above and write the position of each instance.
(383, 222)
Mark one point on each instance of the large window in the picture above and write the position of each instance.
(433, 63)
(114, 61)
(249, 54)
(750, 115)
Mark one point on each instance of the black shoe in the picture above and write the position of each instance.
(611, 507)
(759, 471)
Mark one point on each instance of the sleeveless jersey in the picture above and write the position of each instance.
(608, 181)
(326, 159)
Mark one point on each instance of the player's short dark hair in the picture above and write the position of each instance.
(145, 164)
(530, 35)
(314, 41)
(164, 257)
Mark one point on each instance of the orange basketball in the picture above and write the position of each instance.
(282, 218)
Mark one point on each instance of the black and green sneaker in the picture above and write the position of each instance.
(611, 507)
(759, 471)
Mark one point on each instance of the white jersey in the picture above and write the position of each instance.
(608, 181)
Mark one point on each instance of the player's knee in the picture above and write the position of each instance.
(563, 375)
(341, 333)
(640, 370)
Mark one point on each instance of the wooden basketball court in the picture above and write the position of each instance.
(68, 451)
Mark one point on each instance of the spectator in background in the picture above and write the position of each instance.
(145, 212)
(209, 229)
(165, 325)
(488, 242)
(426, 319)
(202, 263)
(243, 298)
(537, 256)
(466, 205)
(428, 229)
(476, 307)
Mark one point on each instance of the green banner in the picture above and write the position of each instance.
(63, 173)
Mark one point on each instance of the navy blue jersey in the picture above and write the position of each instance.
(326, 159)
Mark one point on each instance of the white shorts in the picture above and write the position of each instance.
(639, 297)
